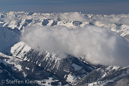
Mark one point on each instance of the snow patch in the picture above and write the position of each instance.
(46, 82)
(20, 49)
(71, 78)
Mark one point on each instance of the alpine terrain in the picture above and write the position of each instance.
(64, 49)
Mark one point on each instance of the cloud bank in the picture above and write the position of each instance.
(97, 45)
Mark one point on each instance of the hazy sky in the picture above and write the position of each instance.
(85, 6)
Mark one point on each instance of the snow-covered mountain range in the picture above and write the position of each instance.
(64, 49)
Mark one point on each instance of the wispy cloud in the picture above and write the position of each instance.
(96, 45)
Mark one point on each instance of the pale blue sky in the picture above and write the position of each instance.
(85, 6)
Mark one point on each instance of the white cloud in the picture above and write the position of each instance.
(97, 45)
(72, 16)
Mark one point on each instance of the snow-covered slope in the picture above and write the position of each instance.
(17, 57)
(106, 76)
(19, 20)
(13, 69)
(50, 62)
